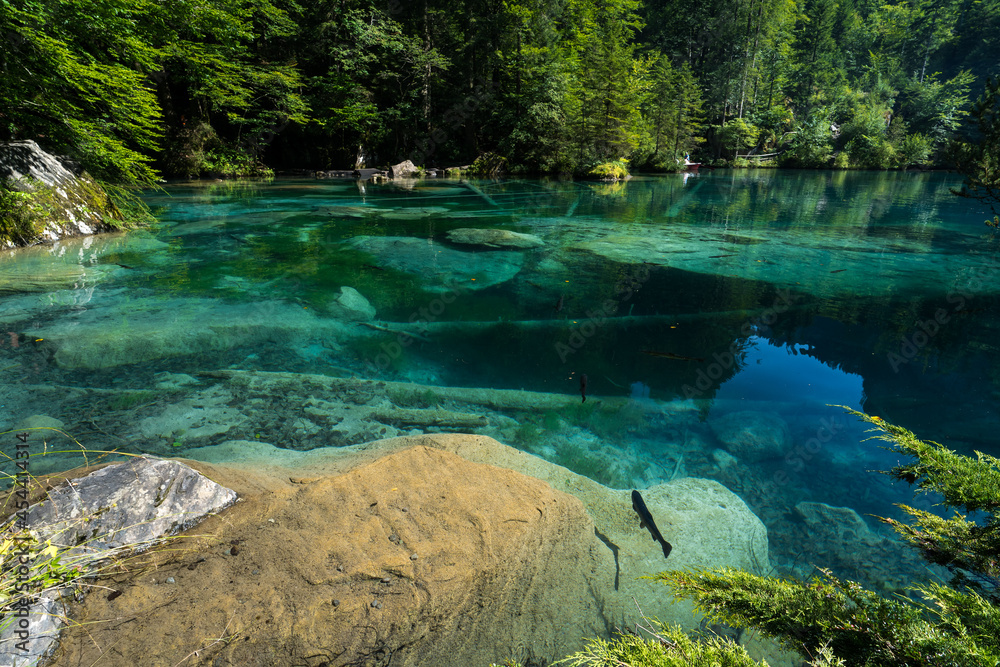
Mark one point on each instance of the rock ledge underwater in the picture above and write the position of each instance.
(445, 549)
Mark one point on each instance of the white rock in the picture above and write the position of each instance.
(351, 305)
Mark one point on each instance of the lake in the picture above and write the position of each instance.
(713, 322)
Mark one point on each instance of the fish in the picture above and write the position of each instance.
(838, 271)
(583, 387)
(125, 266)
(671, 355)
(559, 304)
(646, 521)
(719, 256)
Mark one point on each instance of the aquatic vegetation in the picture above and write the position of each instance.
(584, 462)
(617, 425)
(528, 435)
(130, 399)
(552, 422)
(428, 398)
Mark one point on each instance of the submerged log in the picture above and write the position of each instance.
(406, 393)
(489, 200)
(432, 417)
(420, 329)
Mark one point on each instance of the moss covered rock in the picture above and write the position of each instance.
(42, 200)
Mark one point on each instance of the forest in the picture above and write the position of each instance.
(136, 90)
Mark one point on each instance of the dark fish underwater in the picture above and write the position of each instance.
(646, 521)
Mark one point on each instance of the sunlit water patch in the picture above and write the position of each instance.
(718, 319)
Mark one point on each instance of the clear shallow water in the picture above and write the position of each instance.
(772, 292)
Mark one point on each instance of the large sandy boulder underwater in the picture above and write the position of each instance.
(442, 549)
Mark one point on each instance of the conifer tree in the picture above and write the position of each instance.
(979, 159)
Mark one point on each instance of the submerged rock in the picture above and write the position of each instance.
(441, 268)
(152, 329)
(840, 539)
(351, 305)
(414, 212)
(753, 436)
(39, 421)
(494, 238)
(504, 559)
(203, 415)
(130, 506)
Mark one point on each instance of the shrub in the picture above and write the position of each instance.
(611, 171)
(661, 646)
(489, 165)
(957, 624)
(913, 149)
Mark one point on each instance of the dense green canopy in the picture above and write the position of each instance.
(132, 87)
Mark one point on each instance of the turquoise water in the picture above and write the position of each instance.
(777, 293)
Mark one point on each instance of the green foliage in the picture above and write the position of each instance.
(21, 216)
(979, 158)
(48, 570)
(237, 87)
(811, 144)
(611, 171)
(674, 114)
(488, 165)
(28, 206)
(950, 625)
(738, 135)
(970, 549)
(130, 399)
(75, 79)
(660, 646)
(913, 149)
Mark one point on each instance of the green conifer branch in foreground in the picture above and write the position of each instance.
(958, 624)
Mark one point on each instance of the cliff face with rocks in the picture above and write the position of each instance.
(41, 200)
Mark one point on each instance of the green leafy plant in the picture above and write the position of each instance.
(489, 165)
(616, 170)
(19, 216)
